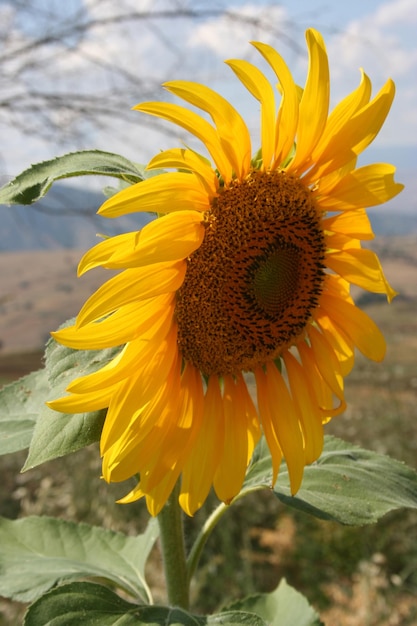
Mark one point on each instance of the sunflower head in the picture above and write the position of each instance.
(246, 271)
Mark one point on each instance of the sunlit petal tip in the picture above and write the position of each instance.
(295, 483)
(142, 106)
(132, 496)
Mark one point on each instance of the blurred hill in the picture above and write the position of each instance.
(64, 218)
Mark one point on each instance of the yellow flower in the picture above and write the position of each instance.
(246, 273)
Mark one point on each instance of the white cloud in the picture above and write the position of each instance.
(399, 11)
(228, 35)
(379, 41)
(383, 43)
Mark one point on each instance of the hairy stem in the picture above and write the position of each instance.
(171, 530)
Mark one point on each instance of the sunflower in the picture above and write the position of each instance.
(233, 308)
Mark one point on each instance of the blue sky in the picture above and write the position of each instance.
(378, 35)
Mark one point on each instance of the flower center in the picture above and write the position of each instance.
(252, 286)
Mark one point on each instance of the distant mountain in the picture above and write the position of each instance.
(393, 223)
(66, 218)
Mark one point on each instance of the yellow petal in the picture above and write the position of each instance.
(357, 133)
(132, 358)
(337, 119)
(356, 324)
(261, 89)
(156, 499)
(104, 250)
(132, 496)
(131, 430)
(185, 159)
(287, 119)
(337, 286)
(172, 191)
(149, 395)
(286, 425)
(125, 324)
(353, 223)
(232, 130)
(324, 185)
(132, 285)
(178, 433)
(327, 362)
(314, 103)
(308, 412)
(338, 241)
(362, 268)
(204, 457)
(83, 403)
(320, 388)
(340, 342)
(240, 436)
(367, 186)
(197, 126)
(170, 238)
(268, 422)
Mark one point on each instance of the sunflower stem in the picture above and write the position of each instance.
(210, 524)
(171, 531)
(202, 538)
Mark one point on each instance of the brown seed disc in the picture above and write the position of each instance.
(252, 286)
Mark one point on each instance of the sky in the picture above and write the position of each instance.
(378, 35)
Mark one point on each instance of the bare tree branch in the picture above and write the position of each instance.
(55, 81)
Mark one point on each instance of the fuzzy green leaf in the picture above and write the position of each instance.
(58, 434)
(283, 607)
(347, 484)
(25, 419)
(39, 552)
(91, 604)
(20, 405)
(34, 183)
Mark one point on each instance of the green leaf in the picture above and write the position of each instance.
(20, 405)
(39, 552)
(90, 604)
(58, 434)
(283, 607)
(82, 603)
(34, 183)
(25, 419)
(347, 484)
